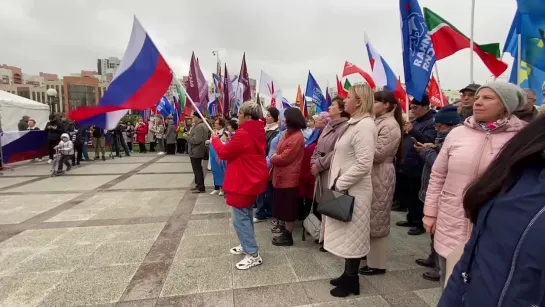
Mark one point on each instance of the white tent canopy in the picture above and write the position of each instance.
(13, 108)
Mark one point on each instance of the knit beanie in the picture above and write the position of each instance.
(512, 96)
(448, 115)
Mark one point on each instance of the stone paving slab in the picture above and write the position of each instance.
(6, 182)
(139, 238)
(166, 168)
(16, 209)
(65, 184)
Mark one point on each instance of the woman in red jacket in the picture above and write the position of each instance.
(141, 132)
(246, 177)
(286, 167)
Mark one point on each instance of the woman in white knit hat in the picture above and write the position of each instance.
(466, 153)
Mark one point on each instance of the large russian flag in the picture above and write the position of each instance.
(382, 73)
(140, 81)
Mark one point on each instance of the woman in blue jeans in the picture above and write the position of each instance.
(246, 177)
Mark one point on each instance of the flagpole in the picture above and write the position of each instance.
(471, 42)
(519, 48)
(197, 109)
(439, 83)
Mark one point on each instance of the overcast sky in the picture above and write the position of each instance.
(285, 38)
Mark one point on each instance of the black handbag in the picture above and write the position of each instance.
(336, 205)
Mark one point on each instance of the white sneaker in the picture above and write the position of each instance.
(237, 250)
(249, 262)
(215, 192)
(160, 153)
(221, 193)
(256, 220)
(49, 161)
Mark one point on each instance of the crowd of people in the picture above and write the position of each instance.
(446, 167)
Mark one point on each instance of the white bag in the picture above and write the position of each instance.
(312, 224)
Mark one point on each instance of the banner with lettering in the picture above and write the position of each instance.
(418, 53)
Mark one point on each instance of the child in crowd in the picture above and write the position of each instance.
(66, 151)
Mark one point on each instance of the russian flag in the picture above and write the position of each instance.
(141, 79)
(382, 73)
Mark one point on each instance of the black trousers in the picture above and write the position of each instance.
(351, 266)
(180, 145)
(78, 152)
(400, 193)
(129, 145)
(414, 204)
(152, 146)
(64, 159)
(171, 149)
(142, 147)
(51, 146)
(196, 165)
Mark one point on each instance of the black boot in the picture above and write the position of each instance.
(348, 285)
(284, 239)
(337, 281)
(349, 282)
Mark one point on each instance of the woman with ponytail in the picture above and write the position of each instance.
(389, 122)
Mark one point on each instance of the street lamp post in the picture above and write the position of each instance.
(53, 99)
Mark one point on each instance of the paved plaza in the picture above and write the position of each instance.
(127, 232)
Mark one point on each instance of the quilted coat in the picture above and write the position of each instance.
(383, 176)
(466, 153)
(352, 165)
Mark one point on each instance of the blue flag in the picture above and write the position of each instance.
(327, 98)
(418, 53)
(313, 90)
(164, 107)
(529, 23)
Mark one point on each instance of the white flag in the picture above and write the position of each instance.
(269, 87)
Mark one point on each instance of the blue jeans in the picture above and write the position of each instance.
(244, 226)
(264, 203)
(85, 152)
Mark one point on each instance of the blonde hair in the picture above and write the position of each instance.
(252, 109)
(365, 95)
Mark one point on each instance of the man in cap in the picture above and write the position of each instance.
(467, 96)
(421, 130)
(529, 112)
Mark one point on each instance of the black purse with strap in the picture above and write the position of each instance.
(336, 205)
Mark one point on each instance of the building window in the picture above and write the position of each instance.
(43, 97)
(81, 95)
(23, 92)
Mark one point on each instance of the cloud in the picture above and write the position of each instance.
(285, 38)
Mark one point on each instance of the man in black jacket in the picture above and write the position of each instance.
(54, 131)
(422, 130)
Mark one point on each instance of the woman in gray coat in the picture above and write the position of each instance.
(321, 158)
(170, 136)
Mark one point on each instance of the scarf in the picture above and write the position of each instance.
(491, 126)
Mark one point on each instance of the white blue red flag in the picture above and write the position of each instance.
(382, 73)
(140, 81)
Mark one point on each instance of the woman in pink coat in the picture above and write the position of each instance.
(466, 153)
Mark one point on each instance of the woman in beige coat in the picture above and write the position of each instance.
(389, 123)
(350, 171)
